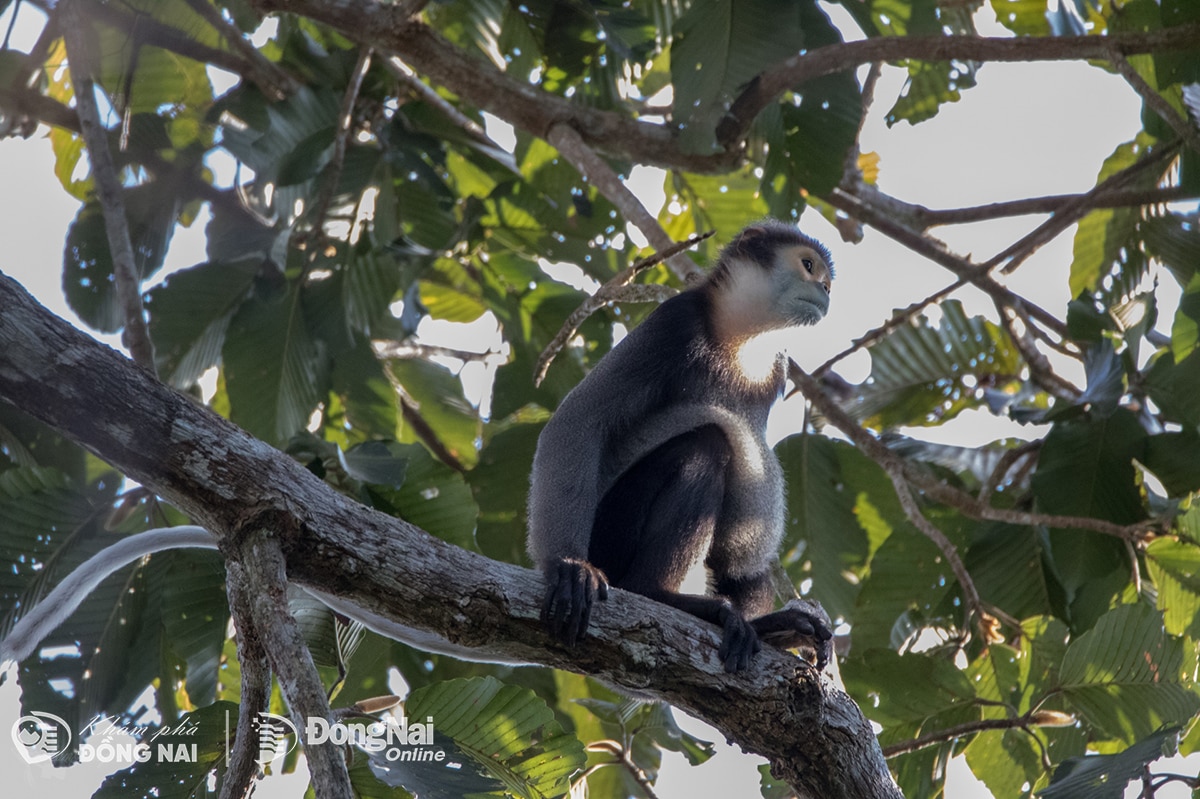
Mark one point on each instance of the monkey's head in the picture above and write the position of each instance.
(777, 273)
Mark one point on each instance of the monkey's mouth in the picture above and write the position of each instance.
(810, 310)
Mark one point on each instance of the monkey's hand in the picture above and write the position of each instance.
(572, 587)
(739, 641)
(801, 624)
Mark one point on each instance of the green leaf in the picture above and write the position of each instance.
(1175, 568)
(195, 613)
(1185, 328)
(506, 732)
(189, 314)
(926, 375)
(433, 496)
(1175, 460)
(272, 367)
(907, 688)
(1022, 17)
(1106, 776)
(823, 541)
(436, 396)
(720, 46)
(205, 729)
(1085, 468)
(931, 84)
(1006, 761)
(1175, 387)
(1106, 240)
(1125, 675)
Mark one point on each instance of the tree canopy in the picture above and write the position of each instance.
(1032, 604)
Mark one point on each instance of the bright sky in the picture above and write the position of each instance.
(1024, 131)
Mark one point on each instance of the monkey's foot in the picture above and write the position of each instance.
(739, 641)
(572, 587)
(801, 624)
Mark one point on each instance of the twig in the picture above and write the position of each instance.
(1004, 466)
(939, 254)
(1158, 104)
(136, 336)
(596, 171)
(957, 731)
(936, 489)
(332, 173)
(898, 318)
(1051, 204)
(405, 74)
(1040, 370)
(974, 606)
(1071, 212)
(175, 40)
(260, 566)
(275, 83)
(411, 412)
(408, 350)
(611, 291)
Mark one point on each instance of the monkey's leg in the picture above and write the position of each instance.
(658, 522)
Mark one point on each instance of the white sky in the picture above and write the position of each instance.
(1024, 131)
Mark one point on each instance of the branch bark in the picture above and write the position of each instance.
(812, 733)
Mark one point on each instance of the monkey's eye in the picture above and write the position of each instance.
(807, 264)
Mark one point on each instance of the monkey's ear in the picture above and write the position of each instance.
(752, 232)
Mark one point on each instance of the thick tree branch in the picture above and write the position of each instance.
(232, 484)
(136, 335)
(482, 85)
(773, 82)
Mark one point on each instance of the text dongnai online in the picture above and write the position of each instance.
(378, 736)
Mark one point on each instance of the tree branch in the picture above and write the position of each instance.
(927, 217)
(935, 489)
(274, 82)
(773, 82)
(136, 335)
(813, 734)
(937, 252)
(255, 690)
(258, 564)
(331, 175)
(611, 291)
(594, 170)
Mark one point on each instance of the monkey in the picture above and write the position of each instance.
(657, 457)
(658, 460)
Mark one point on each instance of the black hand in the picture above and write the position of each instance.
(572, 586)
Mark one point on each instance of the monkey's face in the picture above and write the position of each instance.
(801, 283)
